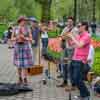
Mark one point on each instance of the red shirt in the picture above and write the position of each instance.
(81, 53)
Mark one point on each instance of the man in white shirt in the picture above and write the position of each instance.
(68, 51)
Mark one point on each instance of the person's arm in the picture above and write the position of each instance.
(79, 43)
(29, 38)
(13, 38)
(90, 55)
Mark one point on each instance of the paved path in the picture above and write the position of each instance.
(41, 92)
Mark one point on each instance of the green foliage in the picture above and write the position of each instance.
(96, 66)
(97, 38)
(25, 7)
(61, 8)
(7, 9)
(3, 27)
(11, 9)
(55, 55)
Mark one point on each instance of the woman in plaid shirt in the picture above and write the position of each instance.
(23, 58)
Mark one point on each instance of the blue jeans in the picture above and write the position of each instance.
(44, 42)
(44, 45)
(87, 68)
(76, 75)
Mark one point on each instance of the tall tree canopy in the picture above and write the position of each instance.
(48, 9)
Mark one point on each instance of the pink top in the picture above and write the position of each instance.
(81, 54)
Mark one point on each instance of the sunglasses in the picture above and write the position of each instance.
(79, 26)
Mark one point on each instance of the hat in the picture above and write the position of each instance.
(22, 18)
(33, 19)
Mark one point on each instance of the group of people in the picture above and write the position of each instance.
(79, 50)
(76, 45)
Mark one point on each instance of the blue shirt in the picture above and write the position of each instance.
(35, 35)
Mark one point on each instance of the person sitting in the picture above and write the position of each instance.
(96, 86)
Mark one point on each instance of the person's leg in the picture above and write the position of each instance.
(65, 73)
(78, 80)
(43, 46)
(35, 55)
(71, 75)
(45, 40)
(9, 44)
(59, 67)
(20, 80)
(59, 70)
(70, 69)
(86, 69)
(43, 43)
(24, 76)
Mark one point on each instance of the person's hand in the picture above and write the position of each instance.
(89, 61)
(69, 35)
(22, 36)
(66, 59)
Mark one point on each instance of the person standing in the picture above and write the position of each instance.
(93, 28)
(23, 57)
(44, 38)
(9, 34)
(90, 61)
(35, 35)
(68, 51)
(79, 59)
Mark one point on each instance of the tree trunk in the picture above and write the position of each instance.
(46, 10)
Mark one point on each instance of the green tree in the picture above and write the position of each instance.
(25, 7)
(7, 10)
(46, 9)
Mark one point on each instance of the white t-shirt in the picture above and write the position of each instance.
(44, 35)
(91, 55)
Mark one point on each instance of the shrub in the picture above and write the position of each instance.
(96, 66)
(3, 27)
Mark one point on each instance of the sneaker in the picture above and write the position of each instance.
(81, 98)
